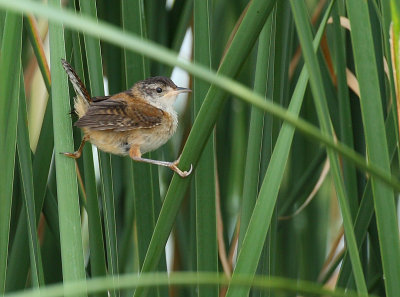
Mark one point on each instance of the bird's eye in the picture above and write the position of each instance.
(158, 90)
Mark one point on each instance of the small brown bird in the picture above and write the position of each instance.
(132, 122)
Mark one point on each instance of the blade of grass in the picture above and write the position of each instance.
(346, 131)
(127, 246)
(375, 136)
(156, 52)
(50, 249)
(375, 20)
(44, 148)
(391, 31)
(361, 224)
(377, 277)
(25, 164)
(36, 42)
(263, 210)
(252, 170)
(236, 144)
(2, 22)
(268, 259)
(267, 263)
(284, 28)
(42, 158)
(184, 279)
(10, 63)
(317, 88)
(18, 262)
(50, 206)
(96, 242)
(254, 148)
(18, 259)
(386, 30)
(206, 225)
(95, 71)
(67, 190)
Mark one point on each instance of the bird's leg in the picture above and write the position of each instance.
(136, 155)
(78, 153)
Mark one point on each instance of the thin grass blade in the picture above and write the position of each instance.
(34, 38)
(19, 256)
(281, 286)
(346, 133)
(2, 22)
(67, 190)
(25, 164)
(252, 170)
(205, 192)
(375, 137)
(10, 63)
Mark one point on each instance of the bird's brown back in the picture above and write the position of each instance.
(121, 112)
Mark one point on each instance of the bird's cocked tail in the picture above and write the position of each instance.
(76, 82)
(82, 99)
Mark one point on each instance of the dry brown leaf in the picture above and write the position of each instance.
(352, 82)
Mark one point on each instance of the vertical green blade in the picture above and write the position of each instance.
(10, 67)
(67, 190)
(25, 163)
(205, 193)
(375, 137)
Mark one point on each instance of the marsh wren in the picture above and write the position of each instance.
(133, 122)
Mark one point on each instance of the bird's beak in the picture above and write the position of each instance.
(176, 92)
(182, 90)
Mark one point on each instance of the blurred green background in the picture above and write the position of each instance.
(292, 129)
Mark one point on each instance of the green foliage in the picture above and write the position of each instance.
(101, 224)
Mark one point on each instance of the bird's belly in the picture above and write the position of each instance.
(119, 143)
(152, 142)
(151, 139)
(110, 142)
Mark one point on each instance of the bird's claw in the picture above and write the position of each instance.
(71, 155)
(181, 173)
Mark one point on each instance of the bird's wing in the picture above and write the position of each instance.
(115, 114)
(100, 98)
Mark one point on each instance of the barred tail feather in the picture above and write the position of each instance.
(76, 82)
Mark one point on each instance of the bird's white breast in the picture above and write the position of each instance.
(152, 139)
